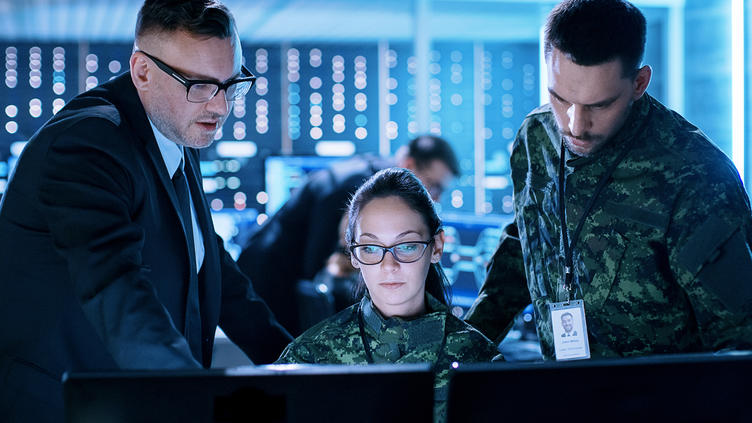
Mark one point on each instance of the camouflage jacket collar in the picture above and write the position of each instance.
(420, 333)
(628, 133)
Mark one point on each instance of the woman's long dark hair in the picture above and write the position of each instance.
(401, 183)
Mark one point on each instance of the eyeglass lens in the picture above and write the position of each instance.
(406, 252)
(205, 92)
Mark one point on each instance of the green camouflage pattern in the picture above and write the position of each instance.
(505, 294)
(437, 337)
(663, 262)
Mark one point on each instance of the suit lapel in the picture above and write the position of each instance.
(124, 93)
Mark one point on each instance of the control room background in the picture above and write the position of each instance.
(342, 77)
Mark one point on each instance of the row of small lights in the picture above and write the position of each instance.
(35, 79)
(293, 93)
(507, 109)
(361, 100)
(262, 88)
(92, 66)
(457, 197)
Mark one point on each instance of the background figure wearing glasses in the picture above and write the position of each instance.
(300, 242)
(396, 240)
(109, 256)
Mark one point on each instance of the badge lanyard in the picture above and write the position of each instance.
(569, 246)
(361, 326)
(569, 343)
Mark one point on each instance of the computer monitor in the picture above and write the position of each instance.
(692, 387)
(283, 174)
(376, 393)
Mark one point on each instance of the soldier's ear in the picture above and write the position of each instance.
(641, 82)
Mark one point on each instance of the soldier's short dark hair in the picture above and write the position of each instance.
(200, 17)
(592, 32)
(427, 148)
(401, 183)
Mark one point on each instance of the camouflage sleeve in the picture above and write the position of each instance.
(464, 344)
(710, 241)
(295, 353)
(504, 292)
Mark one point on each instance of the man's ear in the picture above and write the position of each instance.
(408, 163)
(641, 82)
(140, 71)
(438, 247)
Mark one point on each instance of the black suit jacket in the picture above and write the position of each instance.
(94, 259)
(296, 241)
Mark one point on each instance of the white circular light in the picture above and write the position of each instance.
(58, 88)
(11, 110)
(239, 198)
(233, 182)
(361, 133)
(315, 82)
(91, 82)
(11, 127)
(57, 104)
(114, 66)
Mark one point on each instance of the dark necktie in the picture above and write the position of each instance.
(180, 183)
(192, 310)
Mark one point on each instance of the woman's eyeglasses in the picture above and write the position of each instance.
(404, 252)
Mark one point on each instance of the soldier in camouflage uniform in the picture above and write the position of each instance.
(403, 316)
(663, 259)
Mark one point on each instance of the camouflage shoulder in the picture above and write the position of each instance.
(321, 342)
(542, 110)
(538, 125)
(333, 324)
(685, 149)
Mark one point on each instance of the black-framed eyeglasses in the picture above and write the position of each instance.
(404, 252)
(200, 90)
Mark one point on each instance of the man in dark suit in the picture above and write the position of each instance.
(301, 238)
(108, 254)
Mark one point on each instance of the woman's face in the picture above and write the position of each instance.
(397, 289)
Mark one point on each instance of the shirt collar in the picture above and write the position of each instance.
(172, 152)
(397, 337)
(376, 322)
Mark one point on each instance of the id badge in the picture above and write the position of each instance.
(570, 330)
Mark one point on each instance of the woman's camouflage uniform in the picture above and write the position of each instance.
(437, 337)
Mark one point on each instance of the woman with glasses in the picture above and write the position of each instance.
(395, 238)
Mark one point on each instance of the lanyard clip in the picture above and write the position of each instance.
(568, 276)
